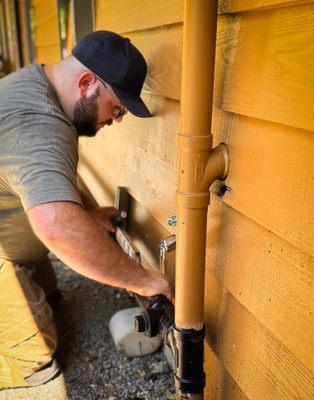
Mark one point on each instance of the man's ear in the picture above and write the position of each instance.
(86, 83)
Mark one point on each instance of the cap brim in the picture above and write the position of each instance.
(133, 104)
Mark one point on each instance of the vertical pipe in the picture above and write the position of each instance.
(194, 142)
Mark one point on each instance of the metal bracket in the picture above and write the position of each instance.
(122, 203)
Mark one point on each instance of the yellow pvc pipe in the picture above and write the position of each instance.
(199, 42)
(199, 164)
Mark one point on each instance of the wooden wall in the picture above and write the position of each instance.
(259, 269)
(9, 36)
(46, 26)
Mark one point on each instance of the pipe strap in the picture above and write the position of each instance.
(193, 200)
(195, 143)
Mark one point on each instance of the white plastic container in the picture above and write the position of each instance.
(126, 339)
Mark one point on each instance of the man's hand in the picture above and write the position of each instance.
(159, 285)
(102, 216)
(73, 235)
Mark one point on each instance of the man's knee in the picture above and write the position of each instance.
(27, 357)
(28, 339)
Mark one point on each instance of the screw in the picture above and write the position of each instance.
(172, 221)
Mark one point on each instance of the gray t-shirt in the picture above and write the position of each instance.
(38, 158)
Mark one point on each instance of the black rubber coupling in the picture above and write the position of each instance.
(189, 359)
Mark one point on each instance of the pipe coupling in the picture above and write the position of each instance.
(194, 143)
(193, 200)
(188, 348)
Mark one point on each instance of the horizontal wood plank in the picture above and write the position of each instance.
(271, 175)
(119, 159)
(261, 364)
(127, 16)
(265, 63)
(219, 383)
(44, 9)
(150, 181)
(254, 76)
(275, 286)
(235, 6)
(263, 368)
(47, 33)
(156, 136)
(263, 157)
(162, 50)
(47, 44)
(269, 277)
(48, 54)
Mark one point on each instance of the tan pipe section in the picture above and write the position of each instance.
(199, 164)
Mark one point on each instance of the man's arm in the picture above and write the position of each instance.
(74, 236)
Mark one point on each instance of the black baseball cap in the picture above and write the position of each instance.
(116, 61)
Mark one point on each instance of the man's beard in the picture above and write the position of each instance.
(85, 115)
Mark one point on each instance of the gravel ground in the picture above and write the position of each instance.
(92, 369)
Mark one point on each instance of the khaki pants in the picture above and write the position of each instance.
(28, 337)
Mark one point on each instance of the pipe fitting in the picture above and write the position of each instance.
(217, 166)
(157, 317)
(186, 345)
(189, 358)
(200, 165)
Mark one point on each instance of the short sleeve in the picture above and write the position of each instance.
(41, 161)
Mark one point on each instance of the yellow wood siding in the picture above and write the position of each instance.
(259, 268)
(47, 38)
(235, 6)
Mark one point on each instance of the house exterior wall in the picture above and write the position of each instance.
(46, 27)
(260, 248)
(259, 268)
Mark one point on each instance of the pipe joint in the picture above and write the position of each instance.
(193, 200)
(189, 357)
(187, 345)
(194, 143)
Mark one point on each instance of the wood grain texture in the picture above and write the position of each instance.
(44, 9)
(127, 15)
(149, 181)
(162, 49)
(47, 33)
(48, 54)
(265, 61)
(219, 383)
(271, 175)
(156, 136)
(259, 296)
(269, 180)
(266, 275)
(235, 6)
(47, 42)
(263, 68)
(258, 362)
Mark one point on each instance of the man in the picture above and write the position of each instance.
(43, 110)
